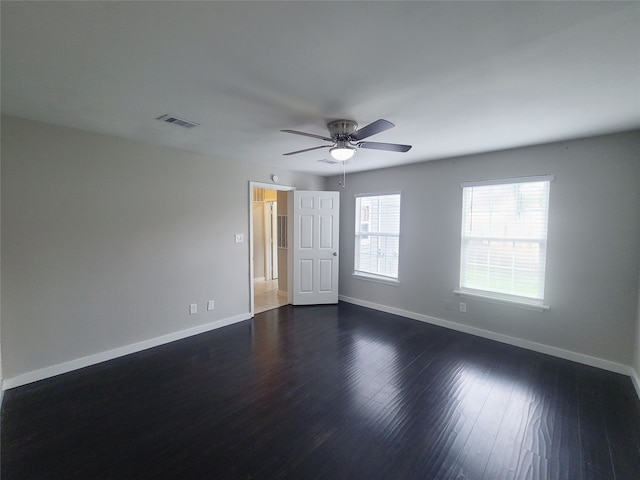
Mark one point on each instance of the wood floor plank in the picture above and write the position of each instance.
(326, 392)
(504, 458)
(594, 442)
(623, 431)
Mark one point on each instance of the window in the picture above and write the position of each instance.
(377, 239)
(504, 238)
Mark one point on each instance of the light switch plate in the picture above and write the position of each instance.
(211, 304)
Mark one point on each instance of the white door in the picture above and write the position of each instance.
(314, 274)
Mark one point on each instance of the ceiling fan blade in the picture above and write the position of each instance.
(391, 147)
(371, 129)
(308, 149)
(295, 132)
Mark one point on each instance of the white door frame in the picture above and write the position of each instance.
(270, 246)
(266, 186)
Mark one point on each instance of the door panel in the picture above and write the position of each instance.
(306, 231)
(306, 276)
(326, 276)
(326, 231)
(315, 247)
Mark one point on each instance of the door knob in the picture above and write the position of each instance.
(335, 254)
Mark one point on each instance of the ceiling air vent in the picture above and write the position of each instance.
(181, 122)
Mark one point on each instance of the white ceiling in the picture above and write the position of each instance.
(455, 77)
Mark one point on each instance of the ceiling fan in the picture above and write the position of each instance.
(345, 139)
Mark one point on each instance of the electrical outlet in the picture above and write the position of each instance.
(239, 237)
(193, 309)
(211, 304)
(463, 307)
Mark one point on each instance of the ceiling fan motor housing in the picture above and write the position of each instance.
(340, 129)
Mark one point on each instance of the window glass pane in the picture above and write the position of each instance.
(477, 277)
(477, 252)
(501, 254)
(526, 255)
(526, 281)
(500, 280)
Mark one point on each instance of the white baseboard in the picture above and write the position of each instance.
(76, 364)
(89, 360)
(518, 342)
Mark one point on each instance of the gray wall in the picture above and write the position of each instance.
(593, 243)
(106, 241)
(636, 363)
(1, 369)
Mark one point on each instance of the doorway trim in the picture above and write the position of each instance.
(266, 186)
(270, 246)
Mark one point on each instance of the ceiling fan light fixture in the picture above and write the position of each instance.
(342, 153)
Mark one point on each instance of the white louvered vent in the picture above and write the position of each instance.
(181, 122)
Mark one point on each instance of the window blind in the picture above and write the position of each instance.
(504, 237)
(377, 235)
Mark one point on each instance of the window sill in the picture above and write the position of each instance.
(376, 278)
(504, 301)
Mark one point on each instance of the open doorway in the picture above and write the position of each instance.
(269, 246)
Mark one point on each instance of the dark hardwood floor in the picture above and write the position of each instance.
(331, 392)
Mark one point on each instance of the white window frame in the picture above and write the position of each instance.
(536, 303)
(363, 274)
